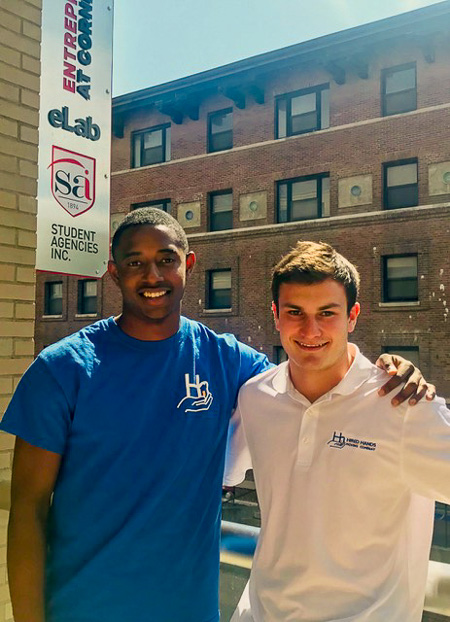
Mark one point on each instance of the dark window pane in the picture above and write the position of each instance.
(304, 200)
(401, 185)
(282, 203)
(304, 210)
(221, 221)
(220, 299)
(402, 196)
(220, 134)
(304, 123)
(151, 147)
(400, 92)
(405, 289)
(400, 102)
(152, 156)
(299, 113)
(300, 199)
(400, 274)
(304, 113)
(280, 355)
(220, 289)
(87, 297)
(53, 298)
(441, 534)
(221, 141)
(221, 216)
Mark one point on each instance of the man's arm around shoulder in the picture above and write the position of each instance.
(34, 475)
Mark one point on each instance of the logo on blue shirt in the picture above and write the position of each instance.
(198, 396)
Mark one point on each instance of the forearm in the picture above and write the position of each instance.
(26, 561)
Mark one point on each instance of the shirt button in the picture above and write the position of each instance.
(306, 441)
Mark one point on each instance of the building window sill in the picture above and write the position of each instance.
(83, 316)
(394, 305)
(217, 311)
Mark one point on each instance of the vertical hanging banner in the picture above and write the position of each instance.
(75, 137)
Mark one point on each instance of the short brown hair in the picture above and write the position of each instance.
(314, 262)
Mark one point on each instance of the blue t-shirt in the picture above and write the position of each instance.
(141, 426)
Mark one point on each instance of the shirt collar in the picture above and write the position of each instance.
(360, 370)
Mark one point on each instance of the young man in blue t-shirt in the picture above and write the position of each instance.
(121, 433)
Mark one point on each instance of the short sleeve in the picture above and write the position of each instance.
(39, 412)
(237, 458)
(426, 450)
(252, 363)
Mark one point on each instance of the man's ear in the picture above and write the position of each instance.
(190, 262)
(275, 316)
(353, 316)
(113, 272)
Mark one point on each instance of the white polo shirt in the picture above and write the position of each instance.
(346, 487)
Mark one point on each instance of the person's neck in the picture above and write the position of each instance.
(148, 330)
(314, 384)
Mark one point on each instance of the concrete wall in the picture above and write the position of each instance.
(19, 103)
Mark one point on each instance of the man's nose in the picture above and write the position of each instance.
(310, 327)
(152, 273)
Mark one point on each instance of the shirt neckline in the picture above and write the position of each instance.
(359, 371)
(146, 346)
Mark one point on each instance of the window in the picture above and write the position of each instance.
(221, 210)
(279, 355)
(399, 91)
(411, 353)
(400, 283)
(87, 297)
(441, 534)
(151, 146)
(303, 111)
(53, 298)
(219, 289)
(401, 187)
(303, 198)
(164, 204)
(220, 130)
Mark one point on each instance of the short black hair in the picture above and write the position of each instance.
(152, 216)
(314, 262)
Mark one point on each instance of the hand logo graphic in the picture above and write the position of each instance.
(198, 396)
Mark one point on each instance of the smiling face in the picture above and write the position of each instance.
(150, 269)
(314, 324)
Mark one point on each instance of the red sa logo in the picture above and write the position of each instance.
(72, 180)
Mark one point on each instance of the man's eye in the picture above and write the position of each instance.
(133, 263)
(327, 313)
(167, 260)
(294, 312)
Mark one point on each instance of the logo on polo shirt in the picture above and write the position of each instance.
(198, 396)
(339, 441)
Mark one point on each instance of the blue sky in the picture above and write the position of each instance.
(157, 41)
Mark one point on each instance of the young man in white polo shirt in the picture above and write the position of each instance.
(346, 483)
